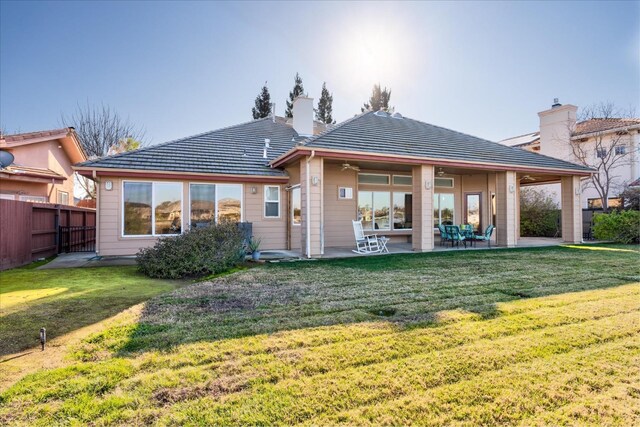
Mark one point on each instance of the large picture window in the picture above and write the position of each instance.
(215, 202)
(229, 202)
(374, 210)
(443, 205)
(152, 208)
(402, 207)
(137, 208)
(167, 207)
(271, 201)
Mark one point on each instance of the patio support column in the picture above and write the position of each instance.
(422, 235)
(311, 182)
(571, 209)
(506, 209)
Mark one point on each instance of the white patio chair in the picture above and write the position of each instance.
(365, 244)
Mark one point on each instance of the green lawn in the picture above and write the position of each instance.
(65, 300)
(542, 336)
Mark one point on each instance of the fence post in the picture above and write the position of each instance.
(56, 224)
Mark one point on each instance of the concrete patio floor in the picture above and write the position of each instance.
(90, 259)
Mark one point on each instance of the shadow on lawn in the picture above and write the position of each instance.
(63, 301)
(410, 291)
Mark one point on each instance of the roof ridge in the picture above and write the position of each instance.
(336, 127)
(520, 136)
(139, 150)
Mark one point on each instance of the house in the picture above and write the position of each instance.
(301, 189)
(559, 131)
(42, 167)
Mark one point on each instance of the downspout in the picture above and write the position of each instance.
(97, 184)
(313, 153)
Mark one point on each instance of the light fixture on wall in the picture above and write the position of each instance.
(512, 188)
(427, 184)
(315, 180)
(254, 189)
(577, 190)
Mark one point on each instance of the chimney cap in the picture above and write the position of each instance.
(556, 103)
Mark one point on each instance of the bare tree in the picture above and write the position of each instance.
(609, 150)
(100, 131)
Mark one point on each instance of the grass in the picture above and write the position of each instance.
(62, 300)
(536, 337)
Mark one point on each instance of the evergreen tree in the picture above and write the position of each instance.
(298, 90)
(263, 104)
(379, 99)
(325, 106)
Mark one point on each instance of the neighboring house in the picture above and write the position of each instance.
(301, 190)
(42, 167)
(559, 128)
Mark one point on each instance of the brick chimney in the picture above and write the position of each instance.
(556, 125)
(303, 115)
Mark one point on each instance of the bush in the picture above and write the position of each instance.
(539, 214)
(621, 227)
(195, 253)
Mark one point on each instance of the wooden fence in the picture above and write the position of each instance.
(29, 231)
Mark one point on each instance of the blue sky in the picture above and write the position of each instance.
(183, 68)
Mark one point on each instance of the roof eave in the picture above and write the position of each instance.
(363, 155)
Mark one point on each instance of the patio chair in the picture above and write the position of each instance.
(486, 237)
(365, 244)
(444, 237)
(454, 234)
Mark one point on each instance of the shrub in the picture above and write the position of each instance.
(621, 227)
(539, 214)
(197, 252)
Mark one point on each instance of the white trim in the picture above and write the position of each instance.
(153, 209)
(264, 202)
(59, 193)
(374, 174)
(453, 181)
(215, 199)
(404, 176)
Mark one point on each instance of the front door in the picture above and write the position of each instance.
(473, 210)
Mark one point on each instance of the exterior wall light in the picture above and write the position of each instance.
(427, 185)
(254, 189)
(315, 180)
(512, 188)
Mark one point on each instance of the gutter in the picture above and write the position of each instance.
(308, 178)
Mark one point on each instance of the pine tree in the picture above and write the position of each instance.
(325, 106)
(379, 99)
(298, 90)
(263, 104)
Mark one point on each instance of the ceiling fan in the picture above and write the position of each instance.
(346, 166)
(527, 178)
(440, 172)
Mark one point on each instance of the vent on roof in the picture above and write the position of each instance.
(397, 116)
(381, 113)
(556, 104)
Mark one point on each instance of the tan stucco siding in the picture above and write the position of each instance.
(271, 231)
(112, 242)
(338, 228)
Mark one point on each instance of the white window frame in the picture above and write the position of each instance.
(393, 180)
(347, 190)
(32, 199)
(299, 188)
(5, 196)
(215, 202)
(265, 201)
(153, 209)
(373, 209)
(453, 182)
(60, 192)
(374, 174)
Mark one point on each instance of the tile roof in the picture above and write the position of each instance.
(522, 140)
(31, 171)
(19, 137)
(234, 150)
(601, 125)
(381, 133)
